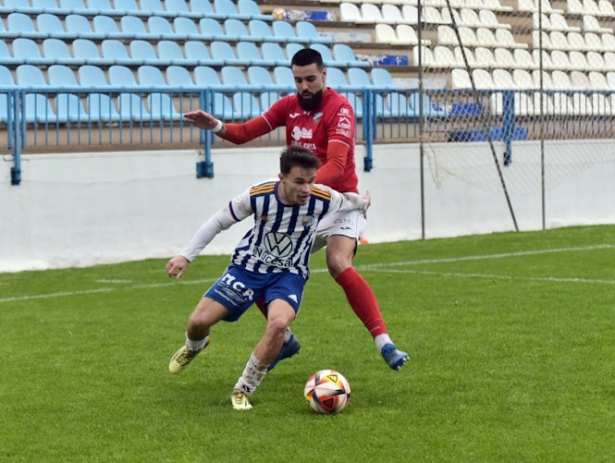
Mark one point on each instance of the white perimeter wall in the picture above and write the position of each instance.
(74, 210)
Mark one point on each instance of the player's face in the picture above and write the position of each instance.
(310, 82)
(296, 186)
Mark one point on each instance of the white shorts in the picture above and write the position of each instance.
(347, 223)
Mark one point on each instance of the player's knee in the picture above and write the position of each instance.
(337, 263)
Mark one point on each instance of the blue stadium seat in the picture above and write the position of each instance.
(204, 9)
(233, 77)
(250, 9)
(327, 57)
(92, 76)
(178, 76)
(292, 48)
(284, 30)
(160, 28)
(5, 55)
(357, 104)
(4, 108)
(101, 108)
(186, 27)
(134, 27)
(245, 105)
(171, 53)
(150, 76)
(249, 53)
(336, 79)
(121, 76)
(267, 99)
(87, 51)
(197, 51)
(102, 7)
(429, 108)
(261, 32)
(150, 7)
(273, 52)
(126, 7)
(69, 108)
(382, 78)
(23, 26)
(223, 51)
(260, 77)
(80, 26)
(212, 29)
(115, 51)
(29, 52)
(161, 107)
(227, 8)
(11, 6)
(51, 25)
(107, 28)
(56, 51)
(343, 53)
(45, 6)
(131, 107)
(74, 7)
(6, 77)
(237, 30)
(38, 109)
(206, 77)
(308, 31)
(180, 8)
(359, 78)
(222, 107)
(398, 105)
(61, 76)
(284, 77)
(143, 52)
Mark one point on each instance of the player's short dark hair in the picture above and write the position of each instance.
(307, 56)
(297, 156)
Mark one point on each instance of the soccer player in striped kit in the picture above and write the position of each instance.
(321, 119)
(270, 262)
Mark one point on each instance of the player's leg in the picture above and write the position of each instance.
(342, 231)
(206, 314)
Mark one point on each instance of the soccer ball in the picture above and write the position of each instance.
(327, 392)
(279, 13)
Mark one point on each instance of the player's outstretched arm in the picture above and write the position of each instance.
(201, 119)
(177, 266)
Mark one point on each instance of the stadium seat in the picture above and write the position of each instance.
(212, 29)
(227, 8)
(484, 58)
(222, 51)
(134, 27)
(171, 53)
(206, 77)
(410, 14)
(292, 48)
(308, 31)
(197, 51)
(56, 51)
(245, 105)
(28, 51)
(154, 7)
(258, 76)
(178, 76)
(272, 52)
(80, 26)
(284, 77)
(523, 79)
(51, 25)
(74, 7)
(357, 104)
(22, 25)
(343, 53)
(61, 76)
(261, 32)
(121, 76)
(105, 27)
(336, 79)
(595, 61)
(126, 7)
(445, 58)
(11, 6)
(38, 109)
(502, 79)
(397, 104)
(69, 108)
(131, 108)
(482, 79)
(87, 51)
(578, 61)
(204, 9)
(237, 30)
(5, 112)
(6, 77)
(102, 7)
(249, 53)
(115, 51)
(284, 30)
(233, 77)
(597, 81)
(359, 78)
(392, 14)
(382, 78)
(385, 33)
(92, 76)
(160, 28)
(249, 9)
(151, 76)
(327, 57)
(222, 107)
(180, 8)
(460, 79)
(5, 56)
(267, 99)
(143, 52)
(606, 8)
(186, 27)
(101, 108)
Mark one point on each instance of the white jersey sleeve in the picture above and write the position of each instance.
(235, 211)
(344, 201)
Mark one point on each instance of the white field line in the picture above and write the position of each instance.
(372, 267)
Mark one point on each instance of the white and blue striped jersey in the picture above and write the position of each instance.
(282, 236)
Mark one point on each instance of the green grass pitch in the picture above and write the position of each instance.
(511, 338)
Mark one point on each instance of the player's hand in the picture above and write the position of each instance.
(176, 267)
(201, 119)
(367, 198)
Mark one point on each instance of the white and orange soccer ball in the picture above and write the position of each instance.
(279, 13)
(327, 392)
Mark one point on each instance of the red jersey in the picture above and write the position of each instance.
(333, 121)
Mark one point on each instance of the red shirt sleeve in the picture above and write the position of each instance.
(334, 168)
(243, 133)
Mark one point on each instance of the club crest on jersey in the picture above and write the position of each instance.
(307, 221)
(317, 117)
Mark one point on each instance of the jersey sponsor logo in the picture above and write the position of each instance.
(269, 259)
(294, 115)
(343, 132)
(344, 112)
(238, 289)
(278, 244)
(301, 132)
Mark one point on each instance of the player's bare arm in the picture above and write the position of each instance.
(204, 120)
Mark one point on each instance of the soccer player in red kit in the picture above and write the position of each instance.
(322, 120)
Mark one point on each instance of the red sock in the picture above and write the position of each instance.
(260, 303)
(362, 300)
